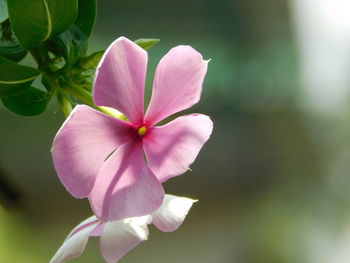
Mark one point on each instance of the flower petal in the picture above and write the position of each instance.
(120, 79)
(75, 243)
(172, 148)
(125, 187)
(172, 212)
(119, 237)
(177, 83)
(91, 220)
(82, 144)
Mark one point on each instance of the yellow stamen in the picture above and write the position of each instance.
(142, 131)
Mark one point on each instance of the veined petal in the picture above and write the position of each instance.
(119, 237)
(172, 148)
(120, 79)
(172, 212)
(82, 144)
(125, 187)
(75, 244)
(177, 83)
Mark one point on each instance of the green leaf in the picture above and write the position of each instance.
(86, 16)
(3, 11)
(15, 77)
(34, 21)
(72, 45)
(12, 50)
(91, 61)
(29, 102)
(146, 43)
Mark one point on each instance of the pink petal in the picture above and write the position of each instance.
(172, 212)
(177, 83)
(172, 148)
(82, 144)
(120, 78)
(119, 237)
(97, 231)
(75, 244)
(125, 187)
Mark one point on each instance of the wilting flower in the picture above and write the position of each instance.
(120, 236)
(120, 165)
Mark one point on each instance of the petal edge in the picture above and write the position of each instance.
(125, 187)
(172, 148)
(82, 144)
(74, 245)
(119, 237)
(120, 79)
(172, 212)
(177, 83)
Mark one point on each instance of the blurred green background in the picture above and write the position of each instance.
(273, 180)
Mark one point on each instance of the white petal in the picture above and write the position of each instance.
(119, 237)
(74, 245)
(86, 222)
(172, 212)
(140, 220)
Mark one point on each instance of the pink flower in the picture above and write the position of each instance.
(118, 237)
(120, 165)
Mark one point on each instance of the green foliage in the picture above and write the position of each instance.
(146, 43)
(15, 77)
(29, 102)
(56, 34)
(12, 50)
(34, 21)
(71, 44)
(3, 11)
(91, 61)
(86, 16)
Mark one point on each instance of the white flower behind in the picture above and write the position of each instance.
(118, 237)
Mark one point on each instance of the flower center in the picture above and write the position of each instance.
(142, 131)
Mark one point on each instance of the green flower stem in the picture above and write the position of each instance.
(64, 103)
(81, 93)
(41, 56)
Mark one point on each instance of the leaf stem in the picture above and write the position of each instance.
(86, 97)
(41, 57)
